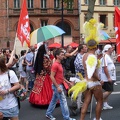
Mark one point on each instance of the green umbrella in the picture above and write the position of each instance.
(45, 33)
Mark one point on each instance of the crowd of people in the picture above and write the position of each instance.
(44, 75)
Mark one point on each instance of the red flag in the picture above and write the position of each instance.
(117, 31)
(23, 29)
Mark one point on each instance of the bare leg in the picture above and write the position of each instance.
(106, 95)
(14, 118)
(26, 83)
(99, 98)
(88, 96)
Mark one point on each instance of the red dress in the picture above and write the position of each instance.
(41, 93)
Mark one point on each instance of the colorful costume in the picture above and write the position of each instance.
(91, 32)
(42, 91)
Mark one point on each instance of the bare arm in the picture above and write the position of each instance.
(52, 76)
(10, 62)
(107, 74)
(106, 71)
(15, 87)
(72, 53)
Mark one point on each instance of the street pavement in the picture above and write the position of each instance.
(29, 112)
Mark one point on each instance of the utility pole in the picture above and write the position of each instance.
(79, 9)
(8, 23)
(62, 21)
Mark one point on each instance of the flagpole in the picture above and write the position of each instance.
(14, 48)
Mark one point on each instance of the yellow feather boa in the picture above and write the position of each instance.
(78, 88)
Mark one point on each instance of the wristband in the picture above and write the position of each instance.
(8, 91)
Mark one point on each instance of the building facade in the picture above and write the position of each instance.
(103, 12)
(41, 12)
(44, 12)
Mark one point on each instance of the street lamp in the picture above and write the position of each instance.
(62, 21)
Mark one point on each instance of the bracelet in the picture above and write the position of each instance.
(8, 91)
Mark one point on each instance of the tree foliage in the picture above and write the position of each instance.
(90, 11)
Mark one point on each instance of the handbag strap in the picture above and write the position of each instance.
(9, 76)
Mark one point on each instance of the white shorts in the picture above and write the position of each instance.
(91, 84)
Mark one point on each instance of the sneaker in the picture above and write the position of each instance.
(115, 83)
(106, 107)
(99, 119)
(72, 119)
(50, 117)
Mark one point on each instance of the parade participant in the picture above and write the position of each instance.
(29, 59)
(57, 78)
(90, 64)
(82, 48)
(41, 93)
(108, 74)
(22, 69)
(69, 55)
(8, 102)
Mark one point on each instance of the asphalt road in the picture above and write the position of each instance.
(29, 112)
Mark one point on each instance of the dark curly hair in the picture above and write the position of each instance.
(38, 66)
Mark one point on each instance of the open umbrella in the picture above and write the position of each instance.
(55, 45)
(45, 33)
(104, 35)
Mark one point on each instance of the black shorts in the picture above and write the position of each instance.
(107, 86)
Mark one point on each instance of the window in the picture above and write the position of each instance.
(103, 19)
(66, 28)
(43, 3)
(43, 22)
(116, 2)
(56, 3)
(102, 2)
(70, 5)
(16, 3)
(86, 2)
(30, 3)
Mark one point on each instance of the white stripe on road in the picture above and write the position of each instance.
(117, 81)
(115, 93)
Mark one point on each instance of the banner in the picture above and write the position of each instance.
(23, 29)
(117, 31)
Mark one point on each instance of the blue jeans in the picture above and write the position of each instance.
(31, 78)
(63, 103)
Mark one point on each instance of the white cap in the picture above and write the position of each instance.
(106, 47)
